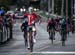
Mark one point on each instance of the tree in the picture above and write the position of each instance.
(57, 6)
(6, 3)
(44, 5)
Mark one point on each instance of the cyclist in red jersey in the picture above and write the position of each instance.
(52, 25)
(32, 17)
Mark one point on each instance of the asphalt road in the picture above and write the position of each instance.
(43, 45)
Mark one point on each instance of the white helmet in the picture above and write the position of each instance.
(30, 9)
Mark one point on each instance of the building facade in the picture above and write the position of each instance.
(60, 7)
(73, 7)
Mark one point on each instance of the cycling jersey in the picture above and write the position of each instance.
(31, 18)
(51, 24)
(64, 25)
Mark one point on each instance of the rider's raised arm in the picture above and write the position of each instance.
(16, 15)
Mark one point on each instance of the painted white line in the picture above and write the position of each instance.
(48, 46)
(54, 52)
(40, 53)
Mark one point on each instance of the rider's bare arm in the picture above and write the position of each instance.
(19, 16)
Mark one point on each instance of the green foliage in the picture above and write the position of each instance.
(5, 4)
(44, 5)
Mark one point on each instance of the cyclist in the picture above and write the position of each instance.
(24, 29)
(63, 30)
(31, 25)
(51, 26)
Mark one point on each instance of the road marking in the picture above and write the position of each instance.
(46, 52)
(48, 46)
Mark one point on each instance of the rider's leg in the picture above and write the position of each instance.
(64, 39)
(28, 40)
(54, 35)
(34, 30)
(34, 34)
(53, 30)
(65, 36)
(24, 36)
(49, 35)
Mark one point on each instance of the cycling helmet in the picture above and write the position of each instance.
(30, 9)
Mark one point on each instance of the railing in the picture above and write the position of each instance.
(5, 33)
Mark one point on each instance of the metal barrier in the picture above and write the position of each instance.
(5, 33)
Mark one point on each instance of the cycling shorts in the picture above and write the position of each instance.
(31, 28)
